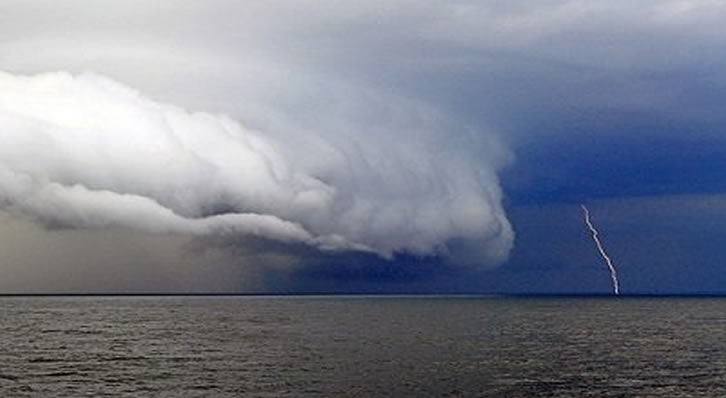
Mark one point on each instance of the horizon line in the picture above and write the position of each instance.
(370, 294)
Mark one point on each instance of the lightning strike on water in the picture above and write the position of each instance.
(608, 262)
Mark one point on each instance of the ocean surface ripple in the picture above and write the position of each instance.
(362, 347)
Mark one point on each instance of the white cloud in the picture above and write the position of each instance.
(87, 152)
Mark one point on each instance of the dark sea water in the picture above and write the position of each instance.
(362, 347)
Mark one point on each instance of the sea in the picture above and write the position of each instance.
(362, 346)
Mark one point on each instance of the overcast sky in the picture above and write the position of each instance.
(317, 146)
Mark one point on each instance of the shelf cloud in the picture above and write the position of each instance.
(84, 151)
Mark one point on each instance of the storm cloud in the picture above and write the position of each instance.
(400, 131)
(87, 152)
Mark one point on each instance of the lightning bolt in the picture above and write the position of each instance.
(608, 262)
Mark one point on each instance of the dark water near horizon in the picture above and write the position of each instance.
(362, 347)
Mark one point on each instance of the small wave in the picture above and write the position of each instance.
(60, 374)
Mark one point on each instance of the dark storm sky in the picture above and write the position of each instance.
(411, 136)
